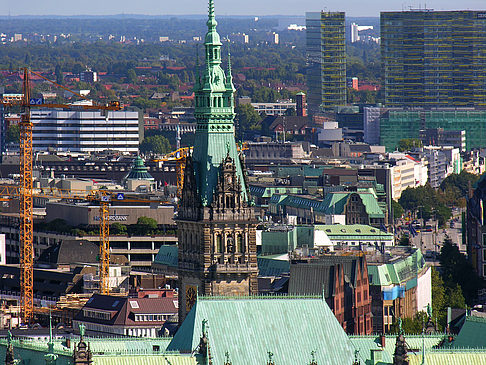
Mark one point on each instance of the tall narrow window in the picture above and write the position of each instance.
(219, 241)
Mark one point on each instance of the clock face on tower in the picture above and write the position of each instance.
(191, 295)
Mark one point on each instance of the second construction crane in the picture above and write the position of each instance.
(26, 186)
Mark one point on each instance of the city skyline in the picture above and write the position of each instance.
(352, 8)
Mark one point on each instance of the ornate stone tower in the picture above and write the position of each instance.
(216, 223)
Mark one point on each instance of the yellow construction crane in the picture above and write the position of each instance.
(26, 203)
(179, 156)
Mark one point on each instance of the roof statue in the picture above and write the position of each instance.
(82, 329)
(270, 358)
(313, 358)
(227, 358)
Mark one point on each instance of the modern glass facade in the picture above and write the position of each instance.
(326, 58)
(397, 124)
(434, 58)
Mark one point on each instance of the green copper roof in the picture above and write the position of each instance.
(472, 334)
(367, 344)
(139, 171)
(398, 272)
(168, 255)
(353, 231)
(333, 203)
(290, 328)
(214, 112)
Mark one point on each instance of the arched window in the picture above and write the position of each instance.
(240, 243)
(230, 244)
(219, 243)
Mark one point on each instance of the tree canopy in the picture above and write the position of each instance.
(408, 144)
(426, 202)
(155, 144)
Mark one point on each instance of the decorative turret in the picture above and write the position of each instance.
(82, 353)
(400, 356)
(139, 177)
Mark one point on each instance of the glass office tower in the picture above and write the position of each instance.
(326, 61)
(434, 58)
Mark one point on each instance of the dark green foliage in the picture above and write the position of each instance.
(13, 134)
(145, 226)
(247, 119)
(155, 144)
(456, 187)
(426, 203)
(411, 325)
(408, 144)
(118, 229)
(458, 272)
(404, 241)
(397, 210)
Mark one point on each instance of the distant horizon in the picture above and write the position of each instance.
(197, 8)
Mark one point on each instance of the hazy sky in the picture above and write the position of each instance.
(223, 7)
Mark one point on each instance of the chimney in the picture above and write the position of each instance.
(382, 341)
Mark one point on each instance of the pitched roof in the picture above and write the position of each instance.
(472, 334)
(334, 203)
(248, 328)
(290, 122)
(312, 278)
(69, 251)
(397, 272)
(168, 255)
(123, 309)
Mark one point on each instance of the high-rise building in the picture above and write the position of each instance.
(354, 33)
(86, 131)
(399, 123)
(216, 222)
(326, 58)
(434, 58)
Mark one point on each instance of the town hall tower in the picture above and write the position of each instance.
(216, 221)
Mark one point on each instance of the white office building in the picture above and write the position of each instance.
(85, 131)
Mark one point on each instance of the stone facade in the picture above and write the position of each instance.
(217, 244)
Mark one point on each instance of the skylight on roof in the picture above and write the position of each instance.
(90, 300)
(133, 304)
(115, 303)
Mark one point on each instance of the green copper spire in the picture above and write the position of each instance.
(214, 112)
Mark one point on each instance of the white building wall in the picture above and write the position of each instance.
(85, 131)
(424, 290)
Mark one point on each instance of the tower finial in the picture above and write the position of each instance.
(198, 78)
(212, 23)
(229, 62)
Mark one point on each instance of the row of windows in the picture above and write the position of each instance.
(151, 317)
(96, 314)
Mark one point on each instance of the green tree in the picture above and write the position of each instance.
(13, 134)
(247, 118)
(146, 226)
(458, 272)
(59, 75)
(438, 298)
(408, 144)
(412, 326)
(397, 210)
(404, 241)
(132, 76)
(156, 144)
(118, 229)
